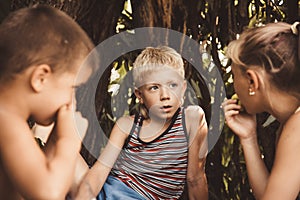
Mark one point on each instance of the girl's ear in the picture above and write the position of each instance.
(138, 94)
(253, 80)
(39, 77)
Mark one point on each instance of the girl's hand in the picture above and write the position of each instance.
(242, 123)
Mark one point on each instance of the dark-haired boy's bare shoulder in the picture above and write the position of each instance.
(7, 191)
(12, 145)
(14, 131)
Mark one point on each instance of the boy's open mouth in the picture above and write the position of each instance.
(166, 108)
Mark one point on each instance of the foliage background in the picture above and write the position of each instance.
(212, 23)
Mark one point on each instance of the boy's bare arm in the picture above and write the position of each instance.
(24, 162)
(81, 168)
(92, 183)
(79, 128)
(196, 178)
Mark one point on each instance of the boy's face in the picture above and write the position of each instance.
(59, 92)
(162, 92)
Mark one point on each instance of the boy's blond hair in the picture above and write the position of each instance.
(152, 59)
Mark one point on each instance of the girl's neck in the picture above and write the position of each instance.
(283, 106)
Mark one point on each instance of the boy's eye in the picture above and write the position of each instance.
(153, 88)
(173, 85)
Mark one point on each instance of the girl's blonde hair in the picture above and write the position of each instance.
(273, 47)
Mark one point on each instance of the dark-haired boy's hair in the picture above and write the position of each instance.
(40, 35)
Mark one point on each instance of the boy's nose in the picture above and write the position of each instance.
(164, 94)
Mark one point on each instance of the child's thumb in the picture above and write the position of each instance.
(81, 124)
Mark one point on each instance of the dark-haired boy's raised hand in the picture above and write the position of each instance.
(69, 128)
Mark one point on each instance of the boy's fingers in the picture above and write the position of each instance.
(81, 124)
(65, 122)
(63, 110)
(68, 119)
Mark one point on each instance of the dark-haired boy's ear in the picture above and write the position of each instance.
(253, 79)
(39, 77)
(138, 95)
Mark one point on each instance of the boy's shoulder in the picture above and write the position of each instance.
(11, 123)
(14, 130)
(194, 112)
(194, 118)
(15, 139)
(126, 119)
(125, 123)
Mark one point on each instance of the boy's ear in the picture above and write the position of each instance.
(138, 94)
(39, 77)
(184, 87)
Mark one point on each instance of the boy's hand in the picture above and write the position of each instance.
(70, 123)
(81, 124)
(64, 125)
(84, 192)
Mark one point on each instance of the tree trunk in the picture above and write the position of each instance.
(292, 11)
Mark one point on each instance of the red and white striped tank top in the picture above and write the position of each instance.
(156, 169)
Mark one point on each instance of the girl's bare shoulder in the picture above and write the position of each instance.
(293, 124)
